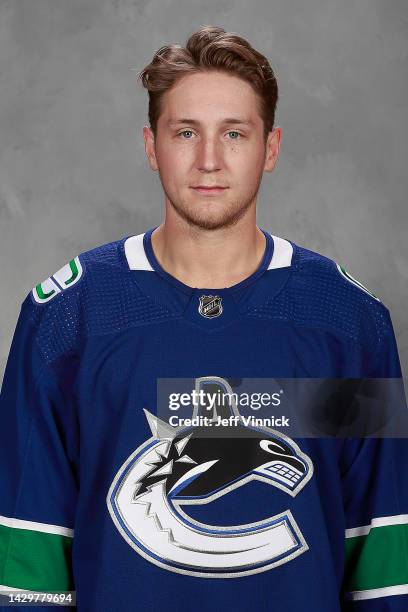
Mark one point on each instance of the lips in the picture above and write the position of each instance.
(209, 190)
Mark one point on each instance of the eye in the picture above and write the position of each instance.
(234, 132)
(185, 132)
(271, 447)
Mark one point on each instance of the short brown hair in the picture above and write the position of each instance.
(211, 48)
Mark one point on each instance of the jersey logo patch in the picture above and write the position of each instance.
(65, 277)
(210, 306)
(182, 468)
(354, 281)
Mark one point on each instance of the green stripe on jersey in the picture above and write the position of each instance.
(355, 282)
(35, 560)
(377, 559)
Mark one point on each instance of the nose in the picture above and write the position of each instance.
(209, 154)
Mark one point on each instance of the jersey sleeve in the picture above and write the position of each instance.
(375, 492)
(38, 466)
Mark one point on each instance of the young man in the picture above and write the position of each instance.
(100, 493)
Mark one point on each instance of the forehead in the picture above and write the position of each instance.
(210, 94)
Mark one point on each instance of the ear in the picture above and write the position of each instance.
(149, 147)
(272, 148)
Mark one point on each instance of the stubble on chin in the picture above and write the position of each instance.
(228, 217)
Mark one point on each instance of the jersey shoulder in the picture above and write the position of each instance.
(95, 293)
(59, 309)
(74, 271)
(308, 261)
(327, 294)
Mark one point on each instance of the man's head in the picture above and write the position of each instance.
(211, 112)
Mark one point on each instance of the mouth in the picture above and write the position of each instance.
(215, 190)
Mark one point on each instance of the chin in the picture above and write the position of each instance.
(211, 215)
(211, 221)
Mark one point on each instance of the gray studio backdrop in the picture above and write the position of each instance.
(73, 172)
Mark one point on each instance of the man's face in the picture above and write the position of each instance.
(211, 134)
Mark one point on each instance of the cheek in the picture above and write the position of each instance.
(177, 162)
(245, 158)
(171, 164)
(246, 169)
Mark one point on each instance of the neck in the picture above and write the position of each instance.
(209, 258)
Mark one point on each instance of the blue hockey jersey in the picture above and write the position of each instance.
(95, 499)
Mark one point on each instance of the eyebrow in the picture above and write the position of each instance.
(229, 120)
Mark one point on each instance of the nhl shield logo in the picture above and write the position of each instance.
(210, 306)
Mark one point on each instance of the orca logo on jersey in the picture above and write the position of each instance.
(210, 306)
(182, 468)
